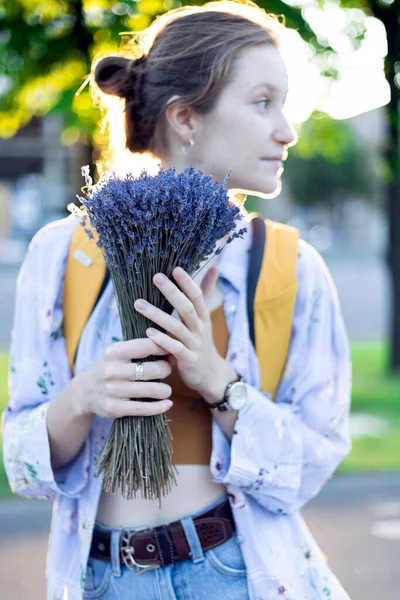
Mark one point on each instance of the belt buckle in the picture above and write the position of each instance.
(127, 551)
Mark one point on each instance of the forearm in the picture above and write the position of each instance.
(227, 421)
(68, 424)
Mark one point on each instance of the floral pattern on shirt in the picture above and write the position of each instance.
(280, 456)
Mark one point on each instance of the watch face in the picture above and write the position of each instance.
(237, 395)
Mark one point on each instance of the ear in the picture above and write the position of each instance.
(182, 119)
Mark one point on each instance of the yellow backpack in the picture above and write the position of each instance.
(271, 293)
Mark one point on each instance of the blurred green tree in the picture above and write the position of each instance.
(46, 48)
(328, 164)
(388, 11)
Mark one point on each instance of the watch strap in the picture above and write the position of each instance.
(224, 404)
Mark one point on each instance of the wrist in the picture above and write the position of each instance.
(216, 394)
(80, 397)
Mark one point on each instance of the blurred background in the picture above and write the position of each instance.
(341, 188)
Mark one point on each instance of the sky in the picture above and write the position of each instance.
(361, 86)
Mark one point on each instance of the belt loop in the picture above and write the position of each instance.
(193, 539)
(115, 557)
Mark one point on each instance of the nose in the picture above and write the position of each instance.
(284, 132)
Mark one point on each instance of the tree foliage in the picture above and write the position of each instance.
(328, 164)
(47, 46)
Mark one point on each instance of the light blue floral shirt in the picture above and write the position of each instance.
(280, 457)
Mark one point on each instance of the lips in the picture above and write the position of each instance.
(280, 157)
(276, 163)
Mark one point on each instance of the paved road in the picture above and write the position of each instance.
(8, 277)
(355, 519)
(364, 292)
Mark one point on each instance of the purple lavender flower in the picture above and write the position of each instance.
(152, 224)
(148, 225)
(176, 217)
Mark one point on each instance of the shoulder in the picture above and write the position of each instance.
(53, 234)
(47, 251)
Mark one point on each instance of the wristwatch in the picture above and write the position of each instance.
(234, 398)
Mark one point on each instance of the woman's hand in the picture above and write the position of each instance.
(109, 384)
(200, 366)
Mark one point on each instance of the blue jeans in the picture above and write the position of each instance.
(215, 574)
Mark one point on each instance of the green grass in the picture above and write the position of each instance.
(4, 487)
(377, 393)
(374, 392)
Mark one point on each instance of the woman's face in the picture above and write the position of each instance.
(247, 132)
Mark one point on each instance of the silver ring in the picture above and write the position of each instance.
(139, 371)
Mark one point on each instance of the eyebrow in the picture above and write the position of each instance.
(273, 88)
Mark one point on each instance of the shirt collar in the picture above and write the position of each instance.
(233, 262)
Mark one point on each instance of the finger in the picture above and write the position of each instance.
(159, 369)
(119, 408)
(174, 326)
(178, 300)
(131, 349)
(193, 292)
(174, 347)
(125, 390)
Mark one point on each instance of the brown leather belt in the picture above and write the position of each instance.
(163, 545)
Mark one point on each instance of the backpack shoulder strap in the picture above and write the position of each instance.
(274, 303)
(255, 263)
(84, 276)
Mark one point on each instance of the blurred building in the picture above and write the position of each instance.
(38, 177)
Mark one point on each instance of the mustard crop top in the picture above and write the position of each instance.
(191, 425)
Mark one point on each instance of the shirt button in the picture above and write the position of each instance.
(232, 309)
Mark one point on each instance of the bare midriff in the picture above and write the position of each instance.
(194, 491)
(190, 422)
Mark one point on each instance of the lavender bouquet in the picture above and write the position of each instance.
(147, 225)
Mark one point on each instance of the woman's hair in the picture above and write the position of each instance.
(190, 53)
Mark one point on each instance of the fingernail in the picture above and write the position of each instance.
(168, 403)
(141, 304)
(160, 279)
(151, 332)
(179, 272)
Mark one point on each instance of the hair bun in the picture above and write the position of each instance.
(113, 75)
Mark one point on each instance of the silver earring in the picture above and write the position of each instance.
(186, 147)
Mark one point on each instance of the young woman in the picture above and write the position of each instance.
(206, 87)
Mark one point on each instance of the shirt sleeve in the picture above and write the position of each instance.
(283, 452)
(35, 378)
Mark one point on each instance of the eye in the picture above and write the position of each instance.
(263, 103)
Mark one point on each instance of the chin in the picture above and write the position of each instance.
(269, 188)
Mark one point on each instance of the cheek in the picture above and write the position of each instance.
(226, 127)
(247, 132)
(230, 121)
(237, 139)
(238, 125)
